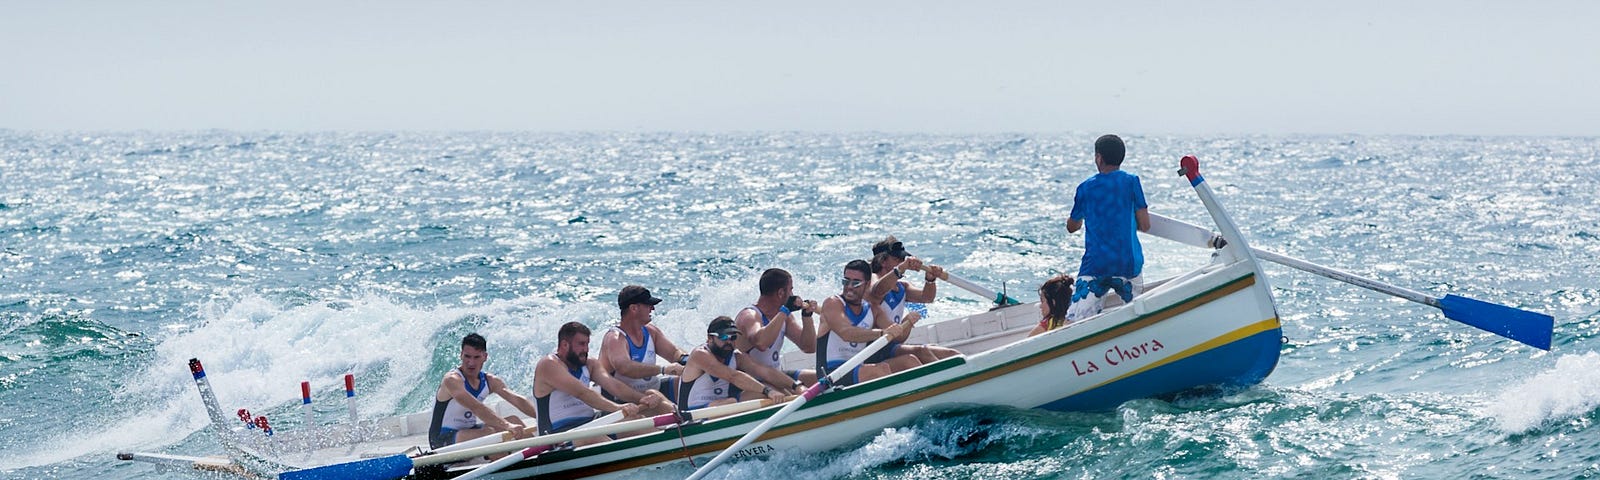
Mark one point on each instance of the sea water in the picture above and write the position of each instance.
(278, 258)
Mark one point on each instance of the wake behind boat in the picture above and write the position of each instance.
(1214, 326)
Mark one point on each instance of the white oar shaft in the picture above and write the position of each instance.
(1184, 232)
(834, 376)
(494, 466)
(610, 418)
(582, 433)
(1348, 277)
(968, 285)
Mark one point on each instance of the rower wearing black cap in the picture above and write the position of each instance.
(629, 352)
(720, 374)
(890, 264)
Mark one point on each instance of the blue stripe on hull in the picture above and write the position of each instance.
(1240, 363)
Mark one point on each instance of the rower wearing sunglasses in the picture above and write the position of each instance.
(720, 374)
(890, 264)
(849, 324)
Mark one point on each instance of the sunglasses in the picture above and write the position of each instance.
(851, 282)
(727, 337)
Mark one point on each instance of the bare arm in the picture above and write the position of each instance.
(615, 360)
(905, 326)
(610, 384)
(551, 375)
(769, 376)
(1075, 224)
(498, 386)
(833, 315)
(708, 363)
(1142, 217)
(929, 291)
(458, 392)
(754, 333)
(667, 350)
(806, 336)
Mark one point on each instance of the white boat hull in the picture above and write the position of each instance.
(1215, 328)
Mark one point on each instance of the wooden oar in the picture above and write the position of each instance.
(610, 418)
(1531, 328)
(397, 466)
(809, 394)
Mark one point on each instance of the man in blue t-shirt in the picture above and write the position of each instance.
(1109, 207)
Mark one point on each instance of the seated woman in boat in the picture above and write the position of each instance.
(890, 262)
(1055, 295)
(563, 387)
(459, 413)
(848, 321)
(720, 374)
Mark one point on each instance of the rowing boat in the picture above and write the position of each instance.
(1214, 326)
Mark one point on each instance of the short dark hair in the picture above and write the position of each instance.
(859, 266)
(1110, 149)
(775, 279)
(571, 329)
(475, 341)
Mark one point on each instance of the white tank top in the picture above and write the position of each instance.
(456, 415)
(840, 350)
(707, 388)
(562, 406)
(645, 354)
(769, 356)
(894, 303)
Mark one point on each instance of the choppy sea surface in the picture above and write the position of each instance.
(277, 258)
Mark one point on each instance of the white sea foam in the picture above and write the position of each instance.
(256, 352)
(1570, 389)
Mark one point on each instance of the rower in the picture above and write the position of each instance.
(848, 325)
(629, 352)
(890, 262)
(720, 374)
(764, 325)
(563, 386)
(459, 413)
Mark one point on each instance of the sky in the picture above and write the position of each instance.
(1211, 67)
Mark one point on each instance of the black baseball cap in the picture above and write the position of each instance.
(892, 247)
(632, 294)
(722, 325)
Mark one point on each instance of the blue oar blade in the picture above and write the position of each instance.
(1532, 328)
(384, 468)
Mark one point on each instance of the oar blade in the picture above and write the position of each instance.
(384, 468)
(1532, 328)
